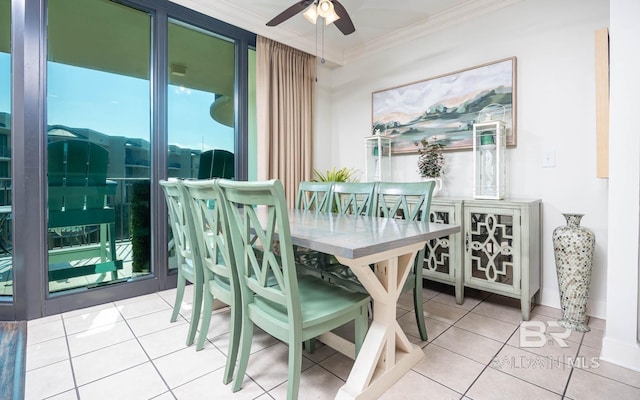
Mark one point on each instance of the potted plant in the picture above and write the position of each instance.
(335, 175)
(431, 162)
(343, 174)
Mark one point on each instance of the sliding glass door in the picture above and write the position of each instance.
(98, 143)
(108, 98)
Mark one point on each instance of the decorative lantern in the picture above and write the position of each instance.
(489, 145)
(378, 158)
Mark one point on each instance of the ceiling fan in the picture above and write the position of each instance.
(331, 10)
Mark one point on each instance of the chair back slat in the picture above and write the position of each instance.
(353, 198)
(264, 263)
(313, 196)
(266, 267)
(407, 200)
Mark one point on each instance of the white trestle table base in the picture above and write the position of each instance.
(386, 353)
(358, 242)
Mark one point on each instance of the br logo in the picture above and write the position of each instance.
(534, 334)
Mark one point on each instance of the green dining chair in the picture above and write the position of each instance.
(352, 198)
(298, 307)
(407, 200)
(188, 260)
(219, 272)
(313, 196)
(348, 198)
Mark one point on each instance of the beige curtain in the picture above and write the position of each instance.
(285, 86)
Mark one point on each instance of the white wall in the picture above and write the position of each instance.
(322, 118)
(554, 45)
(620, 343)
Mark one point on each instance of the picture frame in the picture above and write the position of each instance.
(444, 108)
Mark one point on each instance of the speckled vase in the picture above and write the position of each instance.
(573, 247)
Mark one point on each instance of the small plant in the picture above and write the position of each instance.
(430, 159)
(336, 175)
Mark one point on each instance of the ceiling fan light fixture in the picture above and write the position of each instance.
(311, 14)
(331, 18)
(313, 9)
(326, 10)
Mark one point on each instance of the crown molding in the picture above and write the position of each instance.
(453, 16)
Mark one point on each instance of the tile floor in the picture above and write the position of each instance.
(129, 350)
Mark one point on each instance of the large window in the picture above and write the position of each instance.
(201, 112)
(99, 136)
(144, 87)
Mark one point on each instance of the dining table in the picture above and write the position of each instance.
(390, 245)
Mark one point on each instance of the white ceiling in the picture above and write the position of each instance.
(379, 23)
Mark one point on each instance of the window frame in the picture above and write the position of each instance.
(29, 127)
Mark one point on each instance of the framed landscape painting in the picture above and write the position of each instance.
(443, 109)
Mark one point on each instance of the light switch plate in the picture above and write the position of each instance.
(549, 159)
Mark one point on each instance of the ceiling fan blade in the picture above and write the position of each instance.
(290, 12)
(344, 23)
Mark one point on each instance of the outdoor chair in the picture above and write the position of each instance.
(216, 163)
(78, 209)
(296, 308)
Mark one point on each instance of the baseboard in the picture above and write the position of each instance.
(551, 298)
(624, 354)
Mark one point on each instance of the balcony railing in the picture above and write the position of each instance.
(132, 196)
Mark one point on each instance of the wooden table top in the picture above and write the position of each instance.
(353, 236)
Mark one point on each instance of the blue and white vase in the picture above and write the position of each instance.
(573, 247)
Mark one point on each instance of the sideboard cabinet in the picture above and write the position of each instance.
(443, 256)
(497, 250)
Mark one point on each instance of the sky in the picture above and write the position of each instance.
(5, 81)
(119, 105)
